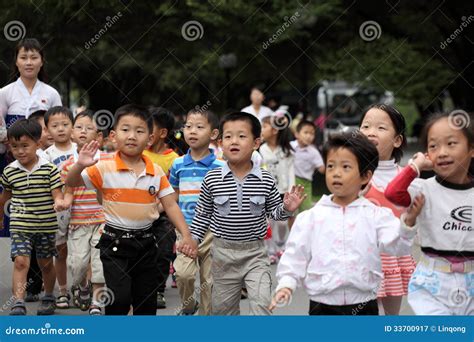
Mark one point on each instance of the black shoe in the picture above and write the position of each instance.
(47, 306)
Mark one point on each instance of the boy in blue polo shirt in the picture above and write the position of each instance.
(186, 176)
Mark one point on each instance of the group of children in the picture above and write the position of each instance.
(350, 248)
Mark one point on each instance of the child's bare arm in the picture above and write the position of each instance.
(188, 245)
(4, 197)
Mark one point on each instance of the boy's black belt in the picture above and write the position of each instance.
(127, 234)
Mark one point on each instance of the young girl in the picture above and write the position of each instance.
(443, 283)
(278, 159)
(385, 127)
(333, 248)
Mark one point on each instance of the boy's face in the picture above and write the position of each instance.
(131, 135)
(46, 138)
(342, 175)
(60, 128)
(24, 150)
(238, 142)
(198, 132)
(306, 135)
(84, 131)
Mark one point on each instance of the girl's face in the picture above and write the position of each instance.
(29, 63)
(379, 128)
(450, 152)
(268, 132)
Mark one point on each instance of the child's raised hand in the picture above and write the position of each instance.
(282, 297)
(414, 210)
(422, 161)
(294, 198)
(87, 154)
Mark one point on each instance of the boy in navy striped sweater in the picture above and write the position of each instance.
(234, 203)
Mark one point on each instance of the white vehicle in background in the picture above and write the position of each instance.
(342, 104)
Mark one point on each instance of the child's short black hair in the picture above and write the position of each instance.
(138, 111)
(39, 114)
(58, 110)
(85, 113)
(163, 118)
(209, 115)
(304, 123)
(25, 127)
(399, 125)
(364, 150)
(242, 116)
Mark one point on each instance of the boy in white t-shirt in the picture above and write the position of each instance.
(59, 121)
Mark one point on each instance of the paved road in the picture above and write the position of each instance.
(298, 306)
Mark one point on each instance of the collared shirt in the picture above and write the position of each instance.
(31, 205)
(262, 113)
(16, 102)
(307, 160)
(164, 160)
(85, 209)
(237, 209)
(187, 174)
(129, 200)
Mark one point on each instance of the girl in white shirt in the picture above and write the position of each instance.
(278, 159)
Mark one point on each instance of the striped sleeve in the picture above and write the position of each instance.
(5, 181)
(203, 212)
(92, 177)
(55, 178)
(174, 178)
(165, 187)
(274, 205)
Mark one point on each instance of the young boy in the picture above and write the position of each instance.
(307, 159)
(186, 177)
(234, 203)
(34, 279)
(33, 186)
(333, 250)
(86, 223)
(160, 153)
(58, 121)
(129, 185)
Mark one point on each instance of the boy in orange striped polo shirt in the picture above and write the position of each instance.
(129, 185)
